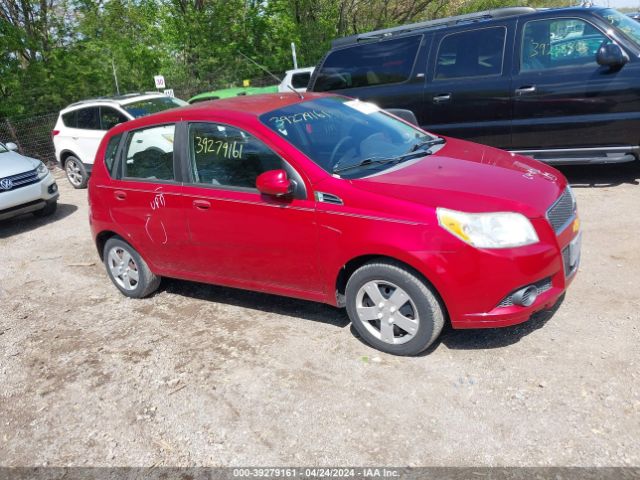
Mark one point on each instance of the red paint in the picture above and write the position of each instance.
(297, 247)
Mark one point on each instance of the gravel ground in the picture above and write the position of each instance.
(201, 375)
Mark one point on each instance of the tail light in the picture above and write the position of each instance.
(54, 133)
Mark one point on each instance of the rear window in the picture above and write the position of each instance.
(475, 53)
(300, 80)
(88, 118)
(370, 64)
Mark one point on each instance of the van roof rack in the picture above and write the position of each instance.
(433, 24)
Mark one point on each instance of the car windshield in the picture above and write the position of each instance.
(627, 25)
(152, 105)
(347, 137)
(3, 149)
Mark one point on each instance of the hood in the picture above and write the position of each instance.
(472, 178)
(12, 163)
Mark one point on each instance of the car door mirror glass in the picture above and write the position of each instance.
(275, 183)
(611, 55)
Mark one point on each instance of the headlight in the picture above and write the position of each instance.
(488, 230)
(42, 170)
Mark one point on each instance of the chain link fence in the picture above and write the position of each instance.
(32, 135)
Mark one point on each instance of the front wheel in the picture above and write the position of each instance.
(127, 269)
(76, 173)
(393, 309)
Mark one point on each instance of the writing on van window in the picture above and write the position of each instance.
(308, 116)
(221, 148)
(539, 49)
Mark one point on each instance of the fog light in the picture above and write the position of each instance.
(525, 296)
(53, 188)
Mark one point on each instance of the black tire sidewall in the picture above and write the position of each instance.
(143, 280)
(411, 284)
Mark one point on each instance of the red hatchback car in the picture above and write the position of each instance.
(333, 200)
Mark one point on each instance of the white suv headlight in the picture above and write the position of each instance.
(488, 230)
(42, 171)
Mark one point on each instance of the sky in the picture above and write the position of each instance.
(619, 3)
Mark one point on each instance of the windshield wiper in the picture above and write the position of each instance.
(378, 161)
(427, 144)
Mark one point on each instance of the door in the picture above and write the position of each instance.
(146, 200)
(562, 97)
(241, 236)
(83, 133)
(468, 90)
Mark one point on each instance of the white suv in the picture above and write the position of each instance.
(26, 185)
(297, 79)
(81, 126)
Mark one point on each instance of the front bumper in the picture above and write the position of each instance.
(475, 294)
(28, 199)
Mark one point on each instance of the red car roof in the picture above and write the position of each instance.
(254, 104)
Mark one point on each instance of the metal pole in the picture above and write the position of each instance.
(293, 54)
(115, 75)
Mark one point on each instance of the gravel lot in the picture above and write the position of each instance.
(202, 375)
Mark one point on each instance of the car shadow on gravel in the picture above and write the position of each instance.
(305, 310)
(600, 176)
(28, 222)
(484, 339)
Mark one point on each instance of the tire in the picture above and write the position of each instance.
(120, 260)
(404, 324)
(76, 173)
(49, 209)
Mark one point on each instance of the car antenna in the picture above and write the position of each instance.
(274, 76)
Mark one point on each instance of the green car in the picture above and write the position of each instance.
(232, 92)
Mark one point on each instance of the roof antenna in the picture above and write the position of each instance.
(278, 79)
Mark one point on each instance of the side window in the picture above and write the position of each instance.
(476, 53)
(227, 156)
(110, 117)
(110, 154)
(150, 154)
(559, 43)
(70, 119)
(370, 64)
(300, 80)
(88, 118)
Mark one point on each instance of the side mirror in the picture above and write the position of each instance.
(274, 182)
(611, 55)
(12, 147)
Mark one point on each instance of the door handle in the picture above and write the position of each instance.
(201, 204)
(75, 138)
(120, 195)
(526, 89)
(443, 97)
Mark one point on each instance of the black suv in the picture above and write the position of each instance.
(560, 85)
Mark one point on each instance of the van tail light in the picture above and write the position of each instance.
(54, 133)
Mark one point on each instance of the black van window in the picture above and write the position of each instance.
(369, 64)
(559, 43)
(474, 53)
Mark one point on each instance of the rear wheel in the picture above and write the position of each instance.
(76, 173)
(127, 269)
(393, 309)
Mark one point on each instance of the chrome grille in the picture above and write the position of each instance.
(542, 286)
(561, 212)
(19, 180)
